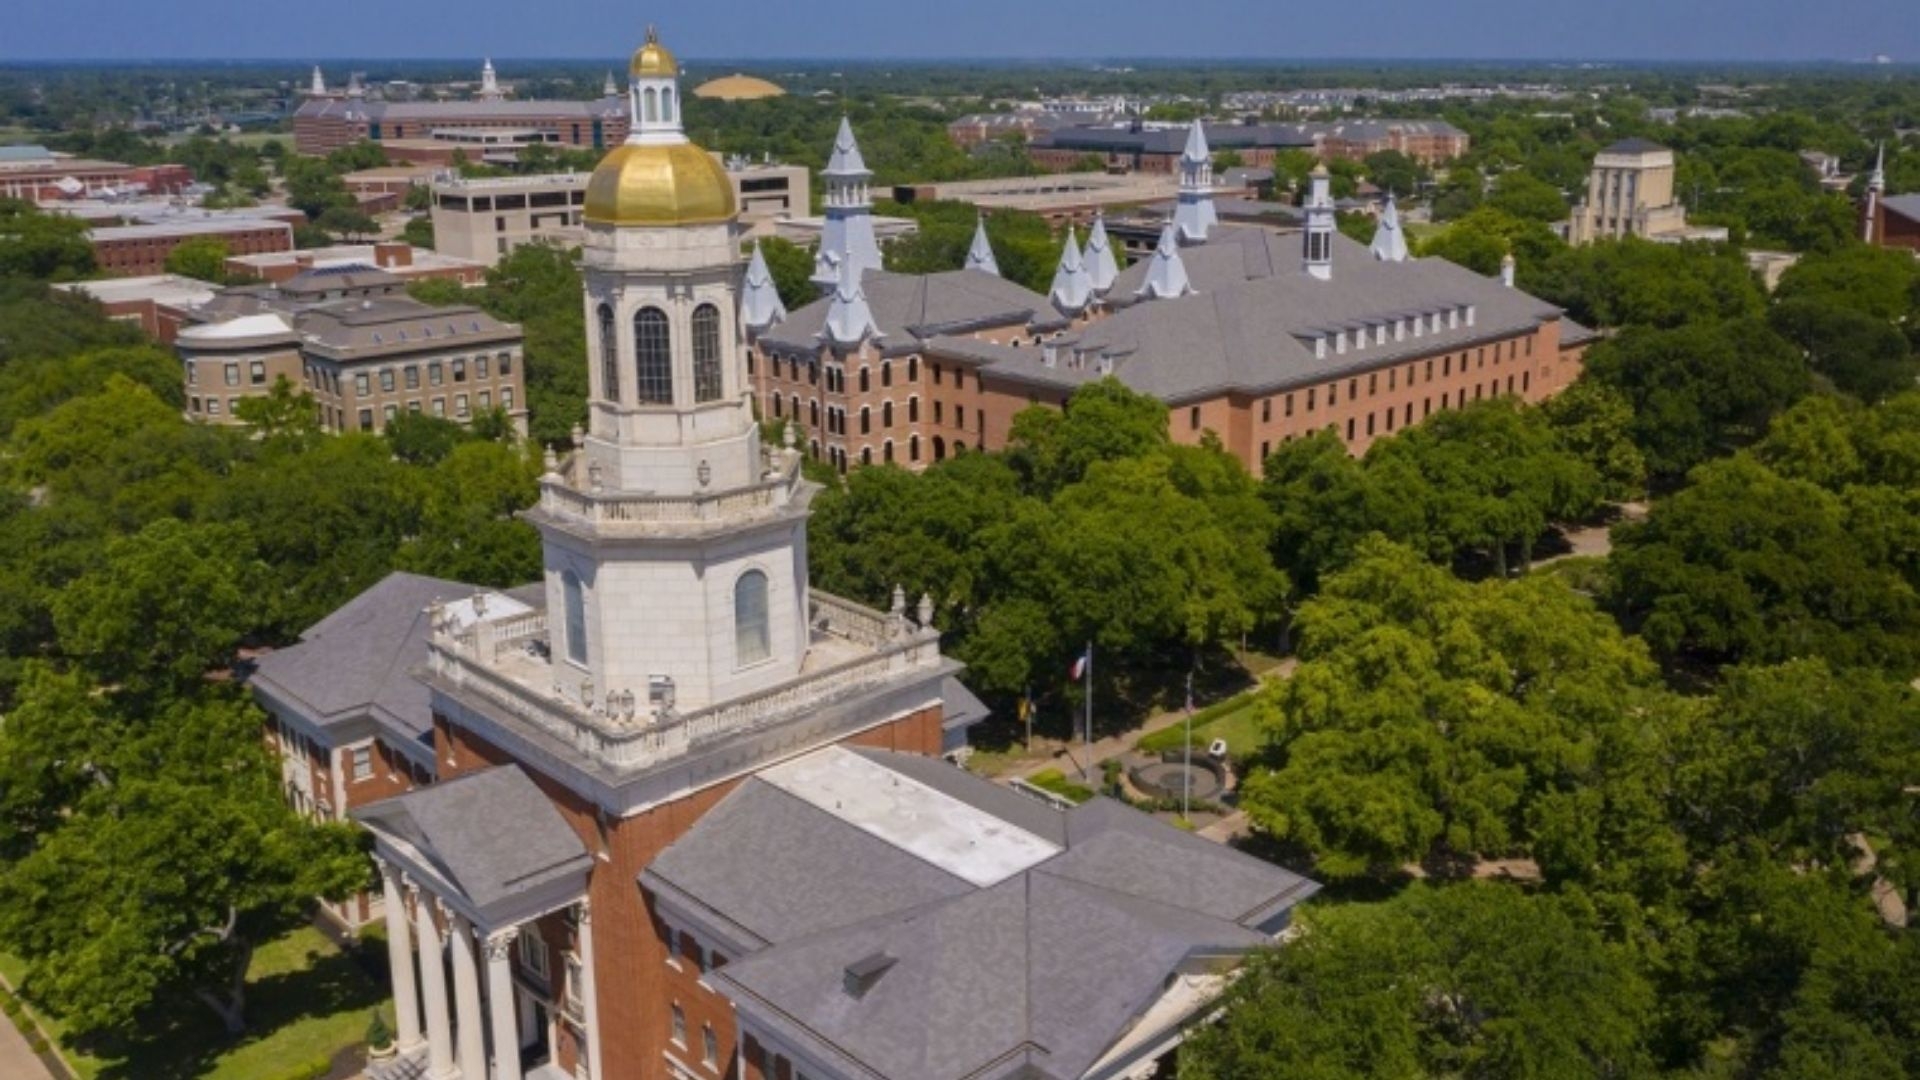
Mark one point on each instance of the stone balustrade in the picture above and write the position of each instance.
(563, 494)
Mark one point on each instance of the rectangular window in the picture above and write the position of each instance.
(1369, 423)
(460, 406)
(233, 374)
(1193, 418)
(1289, 404)
(439, 406)
(362, 385)
(366, 419)
(1446, 364)
(1333, 394)
(435, 374)
(213, 406)
(389, 412)
(486, 400)
(362, 762)
(1266, 410)
(506, 398)
(257, 372)
(479, 367)
(533, 955)
(1429, 370)
(386, 380)
(1373, 384)
(679, 1030)
(506, 364)
(459, 371)
(709, 1047)
(1312, 392)
(413, 377)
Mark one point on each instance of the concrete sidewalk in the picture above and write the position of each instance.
(16, 1061)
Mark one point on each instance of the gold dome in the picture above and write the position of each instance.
(673, 184)
(652, 60)
(737, 88)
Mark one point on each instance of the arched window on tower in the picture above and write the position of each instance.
(573, 598)
(609, 356)
(752, 637)
(652, 357)
(653, 104)
(706, 353)
(666, 104)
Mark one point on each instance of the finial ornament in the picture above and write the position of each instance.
(926, 610)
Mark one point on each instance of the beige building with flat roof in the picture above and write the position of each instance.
(485, 218)
(1630, 193)
(352, 338)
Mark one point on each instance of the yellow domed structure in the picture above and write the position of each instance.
(672, 184)
(738, 87)
(652, 60)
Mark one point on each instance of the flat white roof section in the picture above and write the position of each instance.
(930, 825)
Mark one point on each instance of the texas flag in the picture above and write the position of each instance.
(1080, 665)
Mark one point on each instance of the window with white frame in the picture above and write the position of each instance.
(361, 762)
(533, 955)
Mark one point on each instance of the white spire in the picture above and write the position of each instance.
(653, 102)
(318, 87)
(1876, 187)
(1318, 236)
(760, 305)
(1877, 180)
(1166, 274)
(1389, 242)
(849, 320)
(1193, 213)
(1072, 285)
(609, 88)
(354, 87)
(980, 254)
(847, 236)
(1506, 269)
(1101, 265)
(489, 82)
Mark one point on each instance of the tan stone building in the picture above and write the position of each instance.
(1630, 193)
(485, 218)
(352, 338)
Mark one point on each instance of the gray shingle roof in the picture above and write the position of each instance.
(1907, 206)
(907, 307)
(353, 664)
(492, 833)
(1037, 974)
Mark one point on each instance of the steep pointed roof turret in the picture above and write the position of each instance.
(610, 88)
(980, 254)
(1196, 150)
(846, 159)
(1389, 240)
(849, 319)
(1072, 285)
(1193, 212)
(1166, 273)
(760, 305)
(1102, 267)
(318, 86)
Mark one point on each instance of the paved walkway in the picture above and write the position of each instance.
(16, 1061)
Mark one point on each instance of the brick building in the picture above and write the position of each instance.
(39, 175)
(1138, 147)
(687, 816)
(1889, 221)
(1259, 334)
(325, 124)
(142, 250)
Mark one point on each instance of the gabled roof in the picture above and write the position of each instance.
(845, 159)
(910, 307)
(876, 950)
(492, 834)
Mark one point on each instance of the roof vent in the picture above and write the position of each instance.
(862, 974)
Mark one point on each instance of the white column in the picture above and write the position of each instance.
(433, 977)
(500, 995)
(406, 994)
(469, 1024)
(589, 1003)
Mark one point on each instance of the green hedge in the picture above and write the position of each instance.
(1056, 781)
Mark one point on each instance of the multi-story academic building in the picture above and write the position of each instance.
(671, 812)
(326, 122)
(1257, 334)
(1889, 221)
(351, 337)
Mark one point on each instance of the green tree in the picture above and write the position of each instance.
(418, 231)
(1698, 390)
(346, 221)
(1474, 980)
(1395, 172)
(1859, 354)
(170, 602)
(1526, 197)
(1594, 422)
(47, 247)
(281, 413)
(165, 866)
(202, 257)
(792, 268)
(1104, 421)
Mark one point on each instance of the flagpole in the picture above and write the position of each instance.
(1086, 767)
(1186, 774)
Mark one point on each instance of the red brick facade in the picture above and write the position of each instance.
(145, 251)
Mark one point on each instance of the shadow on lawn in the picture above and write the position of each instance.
(183, 1039)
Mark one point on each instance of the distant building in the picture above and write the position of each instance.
(1142, 147)
(1059, 197)
(1889, 221)
(738, 88)
(40, 175)
(398, 258)
(1630, 193)
(485, 218)
(325, 123)
(140, 250)
(160, 304)
(350, 336)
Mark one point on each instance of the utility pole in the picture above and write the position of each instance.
(1186, 772)
(1087, 766)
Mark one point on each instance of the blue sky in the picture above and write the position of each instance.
(1396, 29)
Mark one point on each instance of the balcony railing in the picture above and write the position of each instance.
(470, 659)
(563, 496)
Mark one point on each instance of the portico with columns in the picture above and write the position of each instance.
(460, 891)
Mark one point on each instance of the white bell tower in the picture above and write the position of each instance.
(675, 545)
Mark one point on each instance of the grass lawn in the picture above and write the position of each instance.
(305, 1000)
(1056, 781)
(1237, 721)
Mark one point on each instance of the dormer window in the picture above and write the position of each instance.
(1320, 347)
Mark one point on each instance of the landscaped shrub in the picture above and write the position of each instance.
(379, 1035)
